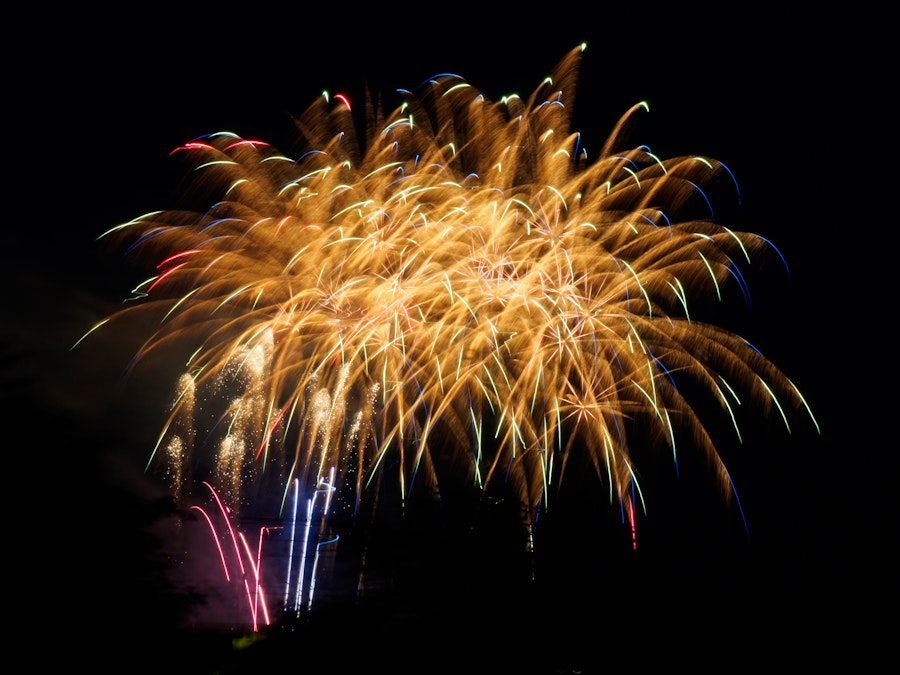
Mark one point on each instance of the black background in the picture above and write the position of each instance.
(795, 103)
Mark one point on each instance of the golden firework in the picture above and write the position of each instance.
(464, 288)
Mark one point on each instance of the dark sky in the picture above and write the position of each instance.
(793, 104)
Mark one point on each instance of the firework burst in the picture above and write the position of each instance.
(462, 289)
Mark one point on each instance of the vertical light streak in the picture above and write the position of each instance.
(251, 594)
(290, 557)
(301, 579)
(312, 580)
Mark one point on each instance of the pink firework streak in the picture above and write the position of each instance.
(253, 590)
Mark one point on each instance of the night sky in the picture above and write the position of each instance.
(794, 107)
